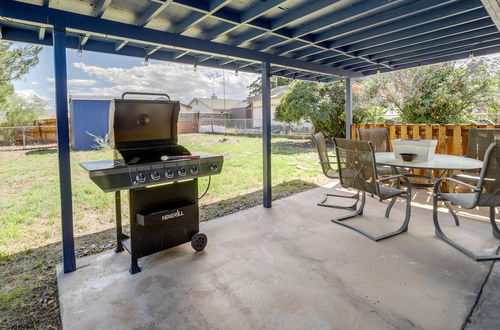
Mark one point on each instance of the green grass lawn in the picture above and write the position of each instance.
(30, 219)
(29, 195)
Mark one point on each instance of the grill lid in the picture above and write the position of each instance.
(139, 123)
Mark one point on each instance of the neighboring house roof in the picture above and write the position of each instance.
(240, 105)
(276, 92)
(216, 104)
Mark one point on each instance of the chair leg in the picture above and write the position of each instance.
(453, 213)
(349, 207)
(389, 207)
(496, 230)
(440, 234)
(359, 211)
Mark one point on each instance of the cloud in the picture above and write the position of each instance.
(76, 82)
(177, 80)
(34, 83)
(29, 93)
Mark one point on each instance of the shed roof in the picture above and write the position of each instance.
(307, 39)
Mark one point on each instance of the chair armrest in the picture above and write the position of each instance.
(392, 177)
(438, 184)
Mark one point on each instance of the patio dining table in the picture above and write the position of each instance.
(445, 163)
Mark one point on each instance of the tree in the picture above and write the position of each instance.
(256, 86)
(443, 93)
(321, 104)
(15, 62)
(21, 111)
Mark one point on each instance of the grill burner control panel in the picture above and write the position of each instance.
(110, 177)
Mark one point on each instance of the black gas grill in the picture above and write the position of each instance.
(161, 177)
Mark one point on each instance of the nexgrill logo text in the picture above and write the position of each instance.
(176, 214)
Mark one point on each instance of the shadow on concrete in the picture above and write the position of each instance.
(31, 298)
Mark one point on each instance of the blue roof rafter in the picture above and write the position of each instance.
(85, 38)
(249, 15)
(436, 35)
(41, 33)
(179, 54)
(153, 50)
(493, 9)
(153, 10)
(196, 17)
(120, 45)
(379, 19)
(226, 61)
(443, 50)
(460, 19)
(289, 17)
(117, 30)
(363, 8)
(464, 37)
(100, 7)
(203, 58)
(452, 12)
(444, 57)
(45, 3)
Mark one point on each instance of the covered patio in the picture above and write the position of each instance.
(284, 264)
(289, 267)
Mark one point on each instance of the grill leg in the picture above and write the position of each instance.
(118, 216)
(496, 230)
(134, 266)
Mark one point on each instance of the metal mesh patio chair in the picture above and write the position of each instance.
(326, 166)
(379, 137)
(485, 194)
(357, 170)
(479, 140)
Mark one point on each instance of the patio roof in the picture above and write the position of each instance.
(304, 39)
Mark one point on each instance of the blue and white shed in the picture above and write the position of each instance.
(89, 117)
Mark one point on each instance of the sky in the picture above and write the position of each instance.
(102, 75)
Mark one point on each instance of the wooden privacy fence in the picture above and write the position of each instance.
(452, 138)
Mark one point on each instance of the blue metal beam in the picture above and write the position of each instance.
(336, 17)
(154, 9)
(266, 133)
(305, 10)
(100, 7)
(436, 35)
(37, 14)
(421, 20)
(60, 76)
(369, 22)
(456, 20)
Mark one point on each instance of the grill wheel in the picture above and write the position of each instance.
(199, 241)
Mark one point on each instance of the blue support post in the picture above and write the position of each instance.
(348, 108)
(59, 38)
(266, 132)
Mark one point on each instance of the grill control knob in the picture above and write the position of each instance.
(194, 170)
(214, 167)
(182, 171)
(169, 173)
(155, 175)
(140, 178)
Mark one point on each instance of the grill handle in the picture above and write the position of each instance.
(144, 93)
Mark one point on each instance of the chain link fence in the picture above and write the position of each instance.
(27, 135)
(251, 127)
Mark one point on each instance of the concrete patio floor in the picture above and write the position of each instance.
(289, 267)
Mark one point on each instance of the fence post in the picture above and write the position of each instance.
(24, 137)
